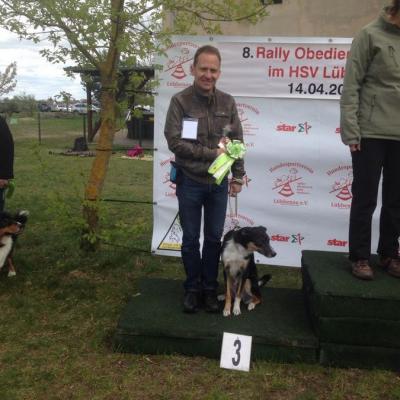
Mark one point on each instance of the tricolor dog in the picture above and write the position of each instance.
(10, 227)
(240, 271)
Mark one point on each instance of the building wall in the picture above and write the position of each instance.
(336, 18)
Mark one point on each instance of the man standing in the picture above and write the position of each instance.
(194, 130)
(6, 159)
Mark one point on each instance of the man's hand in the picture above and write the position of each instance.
(220, 151)
(234, 189)
(355, 147)
(222, 145)
(224, 140)
(3, 183)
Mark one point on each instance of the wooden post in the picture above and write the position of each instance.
(39, 129)
(84, 126)
(89, 110)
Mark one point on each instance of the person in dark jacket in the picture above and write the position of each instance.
(6, 159)
(370, 126)
(194, 130)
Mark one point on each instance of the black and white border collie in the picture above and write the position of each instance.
(240, 271)
(11, 225)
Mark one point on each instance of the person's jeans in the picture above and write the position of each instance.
(193, 197)
(376, 156)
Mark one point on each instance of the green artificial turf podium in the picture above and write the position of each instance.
(335, 319)
(153, 323)
(357, 322)
(352, 356)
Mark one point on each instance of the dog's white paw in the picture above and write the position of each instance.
(226, 313)
(11, 273)
(236, 306)
(236, 310)
(251, 306)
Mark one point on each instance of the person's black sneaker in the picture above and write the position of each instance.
(211, 301)
(190, 302)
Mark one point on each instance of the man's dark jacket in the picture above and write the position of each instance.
(6, 151)
(213, 113)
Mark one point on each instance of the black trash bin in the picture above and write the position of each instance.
(80, 144)
(141, 128)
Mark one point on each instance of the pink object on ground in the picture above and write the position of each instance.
(137, 151)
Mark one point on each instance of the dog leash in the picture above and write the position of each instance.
(234, 214)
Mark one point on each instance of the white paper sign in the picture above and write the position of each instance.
(189, 129)
(236, 351)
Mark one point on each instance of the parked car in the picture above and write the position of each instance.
(81, 108)
(62, 108)
(44, 107)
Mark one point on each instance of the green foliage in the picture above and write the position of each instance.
(22, 103)
(72, 26)
(8, 79)
(64, 97)
(26, 103)
(189, 15)
(8, 106)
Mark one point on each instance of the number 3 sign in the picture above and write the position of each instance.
(236, 351)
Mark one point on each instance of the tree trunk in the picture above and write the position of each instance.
(98, 172)
(95, 130)
(108, 76)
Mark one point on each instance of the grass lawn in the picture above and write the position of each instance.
(59, 314)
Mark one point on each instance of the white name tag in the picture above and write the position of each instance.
(189, 128)
(236, 352)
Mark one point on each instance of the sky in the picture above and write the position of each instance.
(35, 75)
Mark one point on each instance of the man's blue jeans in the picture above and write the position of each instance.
(193, 197)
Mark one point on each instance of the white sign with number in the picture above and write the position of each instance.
(236, 351)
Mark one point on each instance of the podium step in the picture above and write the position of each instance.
(335, 319)
(357, 322)
(153, 323)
